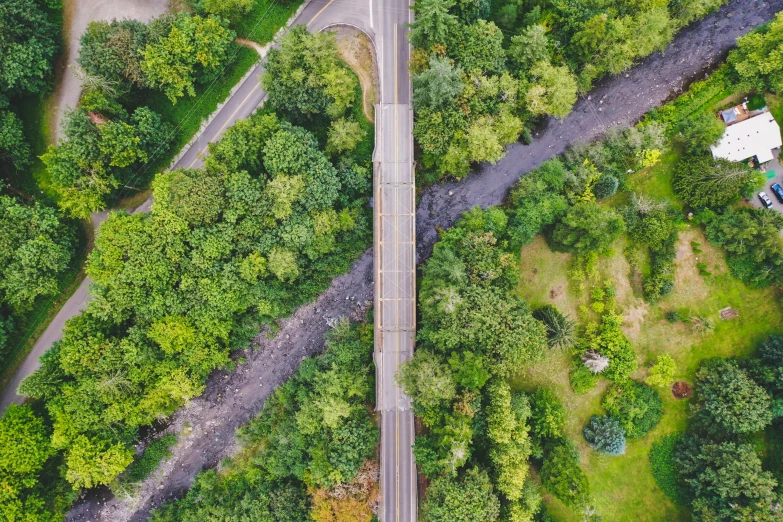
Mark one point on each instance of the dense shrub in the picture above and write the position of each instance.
(606, 186)
(662, 372)
(605, 435)
(581, 378)
(636, 406)
(467, 498)
(548, 416)
(607, 338)
(562, 476)
(587, 227)
(664, 469)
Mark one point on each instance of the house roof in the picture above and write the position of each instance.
(729, 115)
(756, 136)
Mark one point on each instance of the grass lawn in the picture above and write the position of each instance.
(622, 488)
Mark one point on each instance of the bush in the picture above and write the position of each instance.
(756, 102)
(608, 339)
(664, 470)
(581, 378)
(547, 414)
(636, 406)
(605, 186)
(562, 475)
(587, 227)
(605, 435)
(145, 464)
(662, 372)
(673, 316)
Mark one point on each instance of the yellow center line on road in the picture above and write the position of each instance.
(319, 13)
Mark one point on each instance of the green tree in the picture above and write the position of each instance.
(304, 78)
(437, 86)
(529, 48)
(552, 90)
(467, 498)
(699, 133)
(607, 338)
(192, 50)
(560, 330)
(344, 135)
(427, 380)
(432, 23)
(232, 10)
(712, 182)
(562, 476)
(36, 249)
(753, 243)
(636, 406)
(587, 227)
(725, 481)
(28, 44)
(662, 372)
(727, 401)
(110, 53)
(548, 414)
(93, 463)
(605, 435)
(757, 60)
(13, 146)
(501, 421)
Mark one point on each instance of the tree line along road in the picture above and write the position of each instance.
(232, 398)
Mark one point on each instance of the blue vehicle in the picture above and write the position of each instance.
(778, 191)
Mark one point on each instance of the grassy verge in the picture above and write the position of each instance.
(623, 488)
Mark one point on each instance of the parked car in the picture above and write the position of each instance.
(778, 191)
(765, 199)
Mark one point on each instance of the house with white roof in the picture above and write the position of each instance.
(754, 137)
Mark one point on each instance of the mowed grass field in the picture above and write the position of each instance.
(623, 488)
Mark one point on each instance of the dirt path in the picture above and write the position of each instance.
(233, 398)
(77, 14)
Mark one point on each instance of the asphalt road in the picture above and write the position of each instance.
(395, 261)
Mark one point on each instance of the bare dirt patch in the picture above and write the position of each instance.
(358, 52)
(681, 390)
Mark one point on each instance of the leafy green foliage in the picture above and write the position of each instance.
(220, 246)
(13, 147)
(191, 51)
(755, 60)
(304, 77)
(636, 406)
(476, 89)
(315, 430)
(28, 44)
(607, 338)
(697, 134)
(727, 401)
(562, 476)
(752, 241)
(605, 435)
(111, 52)
(155, 452)
(725, 481)
(662, 372)
(587, 227)
(664, 468)
(467, 498)
(97, 155)
(548, 416)
(710, 182)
